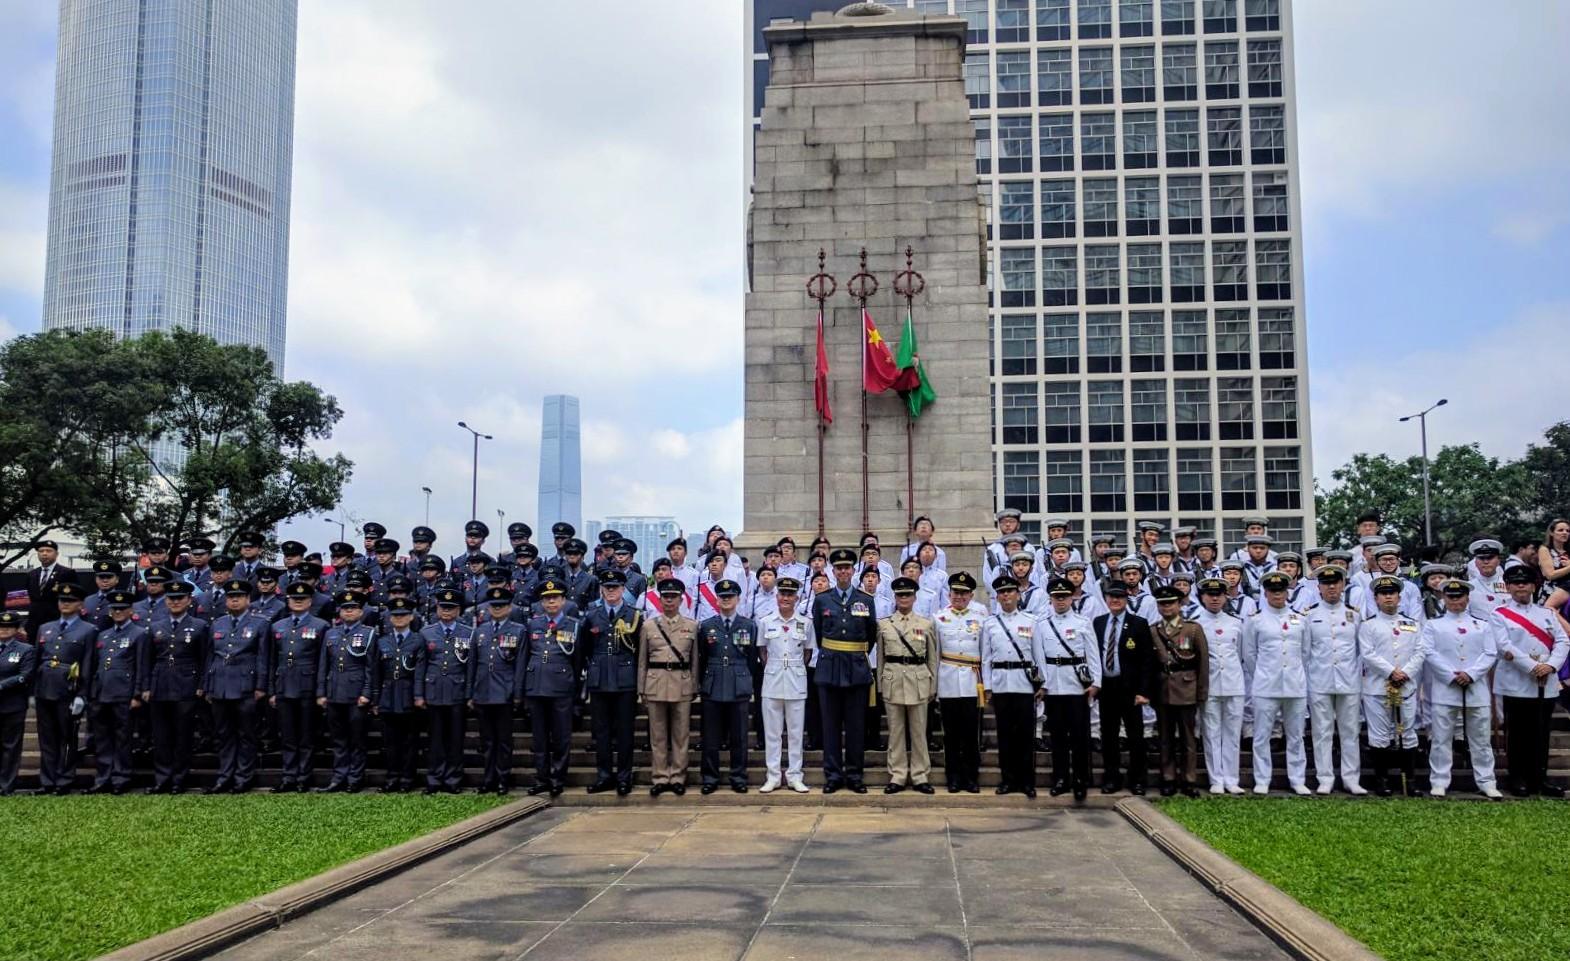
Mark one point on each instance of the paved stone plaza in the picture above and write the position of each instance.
(766, 884)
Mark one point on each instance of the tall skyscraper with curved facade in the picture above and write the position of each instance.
(561, 465)
(173, 147)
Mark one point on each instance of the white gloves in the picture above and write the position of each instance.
(78, 706)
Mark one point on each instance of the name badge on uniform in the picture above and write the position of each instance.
(15, 658)
(1408, 628)
(858, 609)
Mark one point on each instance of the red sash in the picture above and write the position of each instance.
(1521, 621)
(708, 595)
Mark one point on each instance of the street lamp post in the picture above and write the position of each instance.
(474, 487)
(340, 526)
(501, 523)
(1422, 423)
(427, 505)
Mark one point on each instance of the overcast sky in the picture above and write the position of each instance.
(547, 198)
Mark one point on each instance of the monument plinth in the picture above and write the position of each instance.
(866, 142)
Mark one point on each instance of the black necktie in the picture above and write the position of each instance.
(1110, 656)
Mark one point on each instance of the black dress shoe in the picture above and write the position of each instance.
(972, 788)
(892, 788)
(355, 787)
(283, 787)
(97, 789)
(391, 787)
(856, 787)
(832, 787)
(656, 790)
(1002, 789)
(678, 789)
(1111, 786)
(1041, 744)
(1138, 790)
(1167, 790)
(953, 787)
(452, 789)
(155, 789)
(708, 789)
(557, 789)
(539, 789)
(485, 789)
(1520, 790)
(1551, 790)
(624, 788)
(62, 790)
(1190, 790)
(430, 789)
(922, 788)
(221, 787)
(600, 786)
(117, 790)
(502, 790)
(740, 787)
(1058, 789)
(1079, 795)
(332, 787)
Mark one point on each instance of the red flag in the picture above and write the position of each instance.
(820, 381)
(878, 370)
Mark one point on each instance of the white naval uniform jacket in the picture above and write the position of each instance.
(1274, 648)
(1333, 663)
(1488, 593)
(1223, 639)
(1386, 642)
(788, 647)
(1512, 676)
(959, 633)
(1075, 637)
(1008, 637)
(1459, 642)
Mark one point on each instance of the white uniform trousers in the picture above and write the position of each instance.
(1381, 726)
(1441, 744)
(1333, 714)
(1291, 711)
(779, 718)
(1223, 732)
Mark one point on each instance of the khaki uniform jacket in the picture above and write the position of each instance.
(664, 684)
(907, 683)
(1184, 661)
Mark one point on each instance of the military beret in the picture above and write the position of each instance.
(613, 579)
(201, 545)
(422, 535)
(432, 563)
(626, 546)
(476, 529)
(385, 545)
(373, 529)
(497, 572)
(358, 579)
(962, 581)
(1371, 517)
(1164, 548)
(1212, 585)
(67, 591)
(871, 549)
(727, 588)
(120, 600)
(1255, 520)
(1388, 550)
(673, 587)
(449, 597)
(1004, 582)
(551, 588)
(1386, 584)
(1132, 564)
(221, 562)
(1372, 540)
(842, 556)
(403, 606)
(519, 529)
(237, 588)
(1006, 512)
(1111, 588)
(1456, 587)
(1060, 587)
(1256, 539)
(771, 551)
(1330, 574)
(349, 599)
(1275, 581)
(153, 545)
(904, 585)
(103, 568)
(1520, 574)
(398, 583)
(178, 589)
(1485, 546)
(1167, 594)
(562, 529)
(1025, 556)
(498, 595)
(10, 619)
(297, 590)
(340, 549)
(292, 549)
(676, 542)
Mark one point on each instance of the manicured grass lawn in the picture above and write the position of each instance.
(80, 876)
(1412, 879)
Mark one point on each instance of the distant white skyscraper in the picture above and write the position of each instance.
(561, 465)
(173, 146)
(650, 533)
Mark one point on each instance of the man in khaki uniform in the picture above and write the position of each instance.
(908, 680)
(1185, 679)
(666, 685)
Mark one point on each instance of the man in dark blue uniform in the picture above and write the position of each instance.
(400, 659)
(18, 661)
(106, 578)
(846, 625)
(493, 684)
(173, 664)
(608, 637)
(582, 587)
(115, 690)
(341, 555)
(236, 684)
(518, 535)
(442, 688)
(372, 532)
(474, 537)
(343, 689)
(561, 534)
(64, 671)
(420, 541)
(727, 661)
(269, 604)
(250, 544)
(526, 576)
(548, 680)
(296, 652)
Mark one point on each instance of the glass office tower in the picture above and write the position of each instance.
(1138, 161)
(173, 143)
(561, 466)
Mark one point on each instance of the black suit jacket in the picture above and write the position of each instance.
(1137, 662)
(42, 606)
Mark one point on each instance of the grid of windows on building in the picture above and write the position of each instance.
(1137, 162)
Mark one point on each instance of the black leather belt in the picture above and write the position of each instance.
(1064, 661)
(899, 659)
(1010, 665)
(668, 666)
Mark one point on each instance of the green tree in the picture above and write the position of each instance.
(1547, 467)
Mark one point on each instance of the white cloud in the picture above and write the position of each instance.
(1356, 407)
(22, 238)
(7, 329)
(1527, 228)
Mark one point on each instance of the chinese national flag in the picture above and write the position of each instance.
(878, 370)
(820, 381)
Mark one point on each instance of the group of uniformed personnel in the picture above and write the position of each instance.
(800, 654)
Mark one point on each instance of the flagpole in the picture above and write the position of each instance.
(908, 283)
(820, 287)
(862, 286)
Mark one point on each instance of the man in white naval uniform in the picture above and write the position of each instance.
(1335, 683)
(1532, 649)
(1391, 646)
(1223, 717)
(1275, 646)
(1459, 649)
(1008, 656)
(1068, 653)
(788, 647)
(961, 693)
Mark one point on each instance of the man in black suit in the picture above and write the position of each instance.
(1128, 674)
(42, 604)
